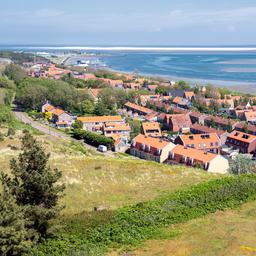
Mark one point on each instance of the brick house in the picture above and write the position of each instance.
(150, 148)
(207, 142)
(201, 129)
(247, 128)
(221, 123)
(197, 117)
(244, 142)
(193, 157)
(177, 123)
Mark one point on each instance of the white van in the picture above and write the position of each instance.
(102, 148)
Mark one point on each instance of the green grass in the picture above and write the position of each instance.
(129, 226)
(2, 95)
(230, 233)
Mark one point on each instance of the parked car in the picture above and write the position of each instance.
(102, 148)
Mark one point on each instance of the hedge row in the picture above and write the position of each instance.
(132, 224)
(93, 138)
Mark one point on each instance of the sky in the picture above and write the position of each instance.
(128, 22)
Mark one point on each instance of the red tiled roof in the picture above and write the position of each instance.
(206, 129)
(241, 136)
(150, 141)
(99, 119)
(192, 153)
(201, 141)
(138, 108)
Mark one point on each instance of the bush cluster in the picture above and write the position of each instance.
(93, 138)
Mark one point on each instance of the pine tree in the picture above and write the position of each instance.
(35, 184)
(14, 236)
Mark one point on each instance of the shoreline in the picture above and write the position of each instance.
(236, 86)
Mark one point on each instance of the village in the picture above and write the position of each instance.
(196, 126)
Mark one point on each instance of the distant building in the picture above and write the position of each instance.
(221, 123)
(197, 117)
(137, 109)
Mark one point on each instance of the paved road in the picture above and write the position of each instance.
(23, 117)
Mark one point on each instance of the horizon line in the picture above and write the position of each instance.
(139, 48)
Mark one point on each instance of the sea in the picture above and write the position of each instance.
(232, 66)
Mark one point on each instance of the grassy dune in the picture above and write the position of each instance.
(94, 180)
(230, 233)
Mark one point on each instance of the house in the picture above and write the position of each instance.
(201, 129)
(47, 107)
(95, 93)
(150, 148)
(151, 129)
(152, 87)
(189, 95)
(194, 157)
(221, 123)
(247, 128)
(132, 86)
(244, 142)
(197, 117)
(121, 129)
(144, 98)
(209, 142)
(134, 108)
(60, 116)
(250, 117)
(182, 102)
(120, 143)
(56, 73)
(113, 83)
(95, 123)
(226, 103)
(177, 123)
(152, 117)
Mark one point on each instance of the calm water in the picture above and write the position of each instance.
(229, 68)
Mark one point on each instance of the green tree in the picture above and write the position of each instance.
(14, 237)
(78, 125)
(163, 90)
(242, 164)
(15, 72)
(88, 107)
(33, 184)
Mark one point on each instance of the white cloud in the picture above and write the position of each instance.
(48, 13)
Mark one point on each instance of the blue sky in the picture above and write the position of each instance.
(131, 22)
